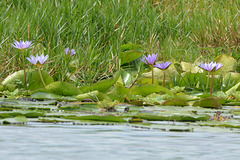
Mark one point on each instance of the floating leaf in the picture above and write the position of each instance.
(121, 90)
(45, 95)
(15, 120)
(191, 68)
(99, 118)
(229, 63)
(129, 56)
(175, 102)
(145, 80)
(63, 88)
(158, 75)
(101, 86)
(94, 95)
(186, 97)
(32, 77)
(149, 89)
(173, 117)
(155, 99)
(131, 46)
(210, 102)
(107, 105)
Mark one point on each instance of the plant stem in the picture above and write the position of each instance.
(152, 75)
(24, 69)
(211, 89)
(163, 78)
(39, 71)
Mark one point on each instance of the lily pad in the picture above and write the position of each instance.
(46, 95)
(188, 67)
(101, 86)
(94, 95)
(176, 117)
(229, 63)
(210, 102)
(149, 89)
(32, 77)
(131, 46)
(108, 118)
(158, 74)
(129, 56)
(175, 102)
(63, 88)
(15, 120)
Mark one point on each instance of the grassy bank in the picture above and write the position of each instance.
(177, 29)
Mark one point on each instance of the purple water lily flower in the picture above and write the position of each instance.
(41, 59)
(22, 44)
(67, 50)
(163, 66)
(211, 67)
(150, 59)
(72, 52)
(33, 59)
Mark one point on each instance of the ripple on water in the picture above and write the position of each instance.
(64, 141)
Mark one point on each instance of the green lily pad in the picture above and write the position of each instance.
(155, 99)
(15, 120)
(129, 56)
(149, 89)
(121, 90)
(108, 118)
(94, 95)
(188, 67)
(63, 88)
(158, 75)
(186, 97)
(229, 63)
(131, 46)
(32, 77)
(210, 102)
(46, 95)
(173, 117)
(102, 86)
(175, 102)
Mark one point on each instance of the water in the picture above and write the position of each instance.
(117, 142)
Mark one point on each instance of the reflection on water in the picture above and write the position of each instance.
(63, 141)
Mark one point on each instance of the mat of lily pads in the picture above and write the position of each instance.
(164, 117)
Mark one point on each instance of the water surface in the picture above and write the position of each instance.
(38, 141)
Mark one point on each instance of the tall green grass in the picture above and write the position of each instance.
(179, 29)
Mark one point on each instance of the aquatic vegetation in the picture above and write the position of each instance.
(163, 66)
(150, 60)
(113, 70)
(22, 45)
(72, 51)
(41, 59)
(211, 67)
(108, 106)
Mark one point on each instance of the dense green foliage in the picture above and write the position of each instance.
(177, 29)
